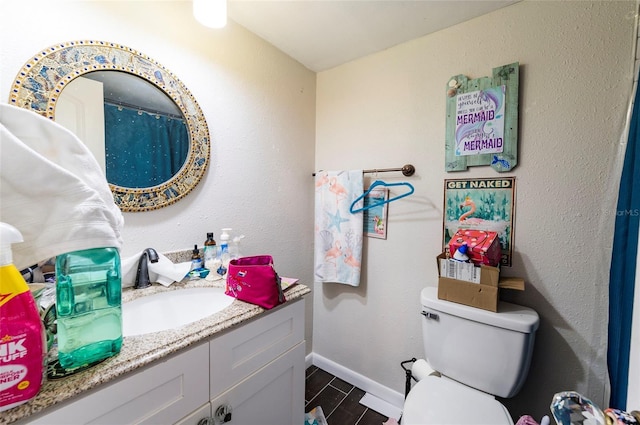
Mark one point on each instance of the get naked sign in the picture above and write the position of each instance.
(481, 204)
(482, 120)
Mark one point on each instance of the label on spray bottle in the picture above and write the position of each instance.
(22, 344)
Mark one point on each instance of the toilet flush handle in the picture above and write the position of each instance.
(430, 315)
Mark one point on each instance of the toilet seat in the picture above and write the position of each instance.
(440, 400)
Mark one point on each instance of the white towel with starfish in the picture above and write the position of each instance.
(338, 233)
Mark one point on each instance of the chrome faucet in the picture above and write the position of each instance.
(142, 277)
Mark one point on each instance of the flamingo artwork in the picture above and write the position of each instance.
(337, 189)
(352, 261)
(333, 253)
(468, 202)
(322, 180)
(378, 225)
(466, 221)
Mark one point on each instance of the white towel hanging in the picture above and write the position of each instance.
(338, 233)
(52, 189)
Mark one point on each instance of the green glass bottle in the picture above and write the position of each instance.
(88, 306)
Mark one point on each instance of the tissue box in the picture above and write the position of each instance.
(484, 246)
(482, 295)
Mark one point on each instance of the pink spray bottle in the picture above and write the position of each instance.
(22, 340)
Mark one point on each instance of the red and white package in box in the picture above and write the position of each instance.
(483, 246)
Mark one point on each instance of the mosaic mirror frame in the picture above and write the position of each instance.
(39, 83)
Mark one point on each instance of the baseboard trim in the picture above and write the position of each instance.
(381, 406)
(372, 387)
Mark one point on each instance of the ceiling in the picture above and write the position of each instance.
(322, 34)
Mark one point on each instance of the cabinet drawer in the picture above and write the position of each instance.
(239, 353)
(161, 393)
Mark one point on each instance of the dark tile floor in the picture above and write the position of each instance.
(339, 400)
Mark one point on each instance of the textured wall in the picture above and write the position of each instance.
(258, 102)
(389, 109)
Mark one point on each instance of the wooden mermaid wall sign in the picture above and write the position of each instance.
(482, 120)
(482, 204)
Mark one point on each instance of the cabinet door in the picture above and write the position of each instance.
(162, 393)
(274, 395)
(194, 419)
(237, 354)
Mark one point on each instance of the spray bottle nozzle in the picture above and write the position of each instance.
(8, 236)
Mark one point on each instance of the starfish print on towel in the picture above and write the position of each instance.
(336, 220)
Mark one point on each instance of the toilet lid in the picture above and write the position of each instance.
(436, 400)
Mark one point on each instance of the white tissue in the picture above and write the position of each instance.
(421, 369)
(163, 272)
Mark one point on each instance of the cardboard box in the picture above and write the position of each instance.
(484, 246)
(482, 295)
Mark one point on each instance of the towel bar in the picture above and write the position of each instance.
(407, 170)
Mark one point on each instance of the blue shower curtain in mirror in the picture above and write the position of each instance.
(143, 149)
(623, 265)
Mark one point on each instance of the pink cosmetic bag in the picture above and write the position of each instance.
(254, 280)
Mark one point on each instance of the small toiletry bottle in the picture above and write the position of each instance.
(234, 249)
(22, 343)
(88, 306)
(210, 251)
(223, 252)
(461, 254)
(196, 260)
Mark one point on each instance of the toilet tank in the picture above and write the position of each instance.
(481, 349)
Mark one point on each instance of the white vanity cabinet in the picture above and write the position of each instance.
(159, 394)
(255, 371)
(271, 396)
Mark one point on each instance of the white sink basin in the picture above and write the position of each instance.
(171, 309)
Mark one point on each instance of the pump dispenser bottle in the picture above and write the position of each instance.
(88, 306)
(223, 252)
(22, 341)
(234, 248)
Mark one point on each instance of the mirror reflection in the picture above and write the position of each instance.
(135, 131)
(143, 175)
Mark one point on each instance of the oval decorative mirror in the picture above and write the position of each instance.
(148, 166)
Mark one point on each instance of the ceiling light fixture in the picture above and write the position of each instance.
(210, 13)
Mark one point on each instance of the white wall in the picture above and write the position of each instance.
(259, 105)
(388, 109)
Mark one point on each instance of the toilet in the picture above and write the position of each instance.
(478, 355)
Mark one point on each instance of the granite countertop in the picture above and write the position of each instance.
(141, 350)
